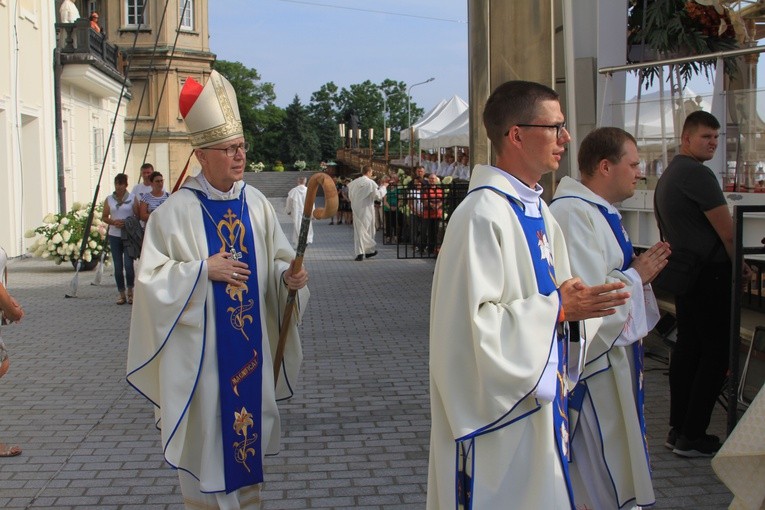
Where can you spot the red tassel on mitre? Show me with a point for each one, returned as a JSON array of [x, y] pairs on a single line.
[[189, 95]]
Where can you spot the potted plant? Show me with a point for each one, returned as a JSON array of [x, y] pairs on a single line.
[[59, 238], [677, 28], [257, 167]]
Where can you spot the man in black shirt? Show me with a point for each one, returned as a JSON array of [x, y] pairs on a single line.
[[693, 215]]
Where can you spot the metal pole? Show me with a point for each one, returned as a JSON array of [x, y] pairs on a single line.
[[409, 118], [57, 70], [683, 60], [735, 318]]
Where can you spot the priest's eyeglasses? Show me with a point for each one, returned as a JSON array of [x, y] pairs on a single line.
[[231, 150], [558, 128]]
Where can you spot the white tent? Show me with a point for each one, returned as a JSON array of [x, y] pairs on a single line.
[[651, 111], [456, 133], [424, 119], [436, 122]]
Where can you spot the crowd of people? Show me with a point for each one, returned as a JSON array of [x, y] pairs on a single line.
[[410, 208], [536, 361], [442, 165]]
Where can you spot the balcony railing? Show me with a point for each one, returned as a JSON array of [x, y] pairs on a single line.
[[78, 43]]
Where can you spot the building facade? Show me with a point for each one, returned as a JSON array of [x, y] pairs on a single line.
[[28, 184]]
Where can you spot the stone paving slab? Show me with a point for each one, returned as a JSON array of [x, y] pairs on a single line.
[[355, 435]]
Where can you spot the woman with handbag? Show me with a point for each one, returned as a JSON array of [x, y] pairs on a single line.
[[117, 208], [11, 311]]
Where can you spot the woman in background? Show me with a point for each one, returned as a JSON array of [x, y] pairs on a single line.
[[154, 198], [117, 208]]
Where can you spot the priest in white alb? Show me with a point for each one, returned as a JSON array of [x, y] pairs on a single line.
[[362, 192], [294, 207], [610, 465], [214, 276], [499, 343]]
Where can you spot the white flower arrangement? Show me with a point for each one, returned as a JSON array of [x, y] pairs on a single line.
[[257, 167], [60, 235], [299, 165]]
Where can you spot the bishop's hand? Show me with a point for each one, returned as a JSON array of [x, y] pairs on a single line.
[[221, 267]]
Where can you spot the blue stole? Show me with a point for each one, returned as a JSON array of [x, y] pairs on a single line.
[[544, 270], [637, 348], [239, 341]]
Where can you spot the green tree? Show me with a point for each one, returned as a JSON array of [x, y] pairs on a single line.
[[268, 138], [369, 102], [325, 116], [397, 111], [299, 139], [256, 106]]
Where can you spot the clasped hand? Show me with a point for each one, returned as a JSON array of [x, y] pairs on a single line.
[[582, 302], [650, 263]]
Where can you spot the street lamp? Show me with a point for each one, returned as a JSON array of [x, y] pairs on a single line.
[[409, 118]]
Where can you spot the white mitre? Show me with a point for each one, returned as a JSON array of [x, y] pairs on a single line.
[[211, 112]]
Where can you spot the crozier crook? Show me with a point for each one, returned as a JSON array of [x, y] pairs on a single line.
[[329, 210]]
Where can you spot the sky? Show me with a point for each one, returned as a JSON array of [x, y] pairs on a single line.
[[299, 45]]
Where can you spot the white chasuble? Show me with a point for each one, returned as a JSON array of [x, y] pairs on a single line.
[[610, 466], [172, 347], [491, 337]]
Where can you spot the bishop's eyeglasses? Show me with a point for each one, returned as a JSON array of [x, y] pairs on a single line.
[[231, 150]]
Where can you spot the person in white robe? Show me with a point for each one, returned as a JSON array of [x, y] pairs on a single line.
[[610, 465], [362, 192], [446, 167], [462, 169], [68, 12], [294, 208], [500, 295], [215, 273]]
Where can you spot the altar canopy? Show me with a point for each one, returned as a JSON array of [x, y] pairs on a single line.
[[437, 119], [454, 134]]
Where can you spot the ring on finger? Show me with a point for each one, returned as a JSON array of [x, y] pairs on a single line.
[[234, 275]]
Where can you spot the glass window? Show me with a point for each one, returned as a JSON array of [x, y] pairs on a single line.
[[186, 14], [134, 13]]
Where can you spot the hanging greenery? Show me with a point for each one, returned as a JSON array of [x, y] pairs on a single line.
[[678, 28]]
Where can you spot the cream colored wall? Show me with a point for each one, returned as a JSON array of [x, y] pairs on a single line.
[[82, 114], [27, 119]]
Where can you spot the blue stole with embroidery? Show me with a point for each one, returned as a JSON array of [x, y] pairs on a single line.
[[541, 256], [637, 348], [238, 340]]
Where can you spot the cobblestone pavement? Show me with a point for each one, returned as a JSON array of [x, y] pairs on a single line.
[[355, 435]]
